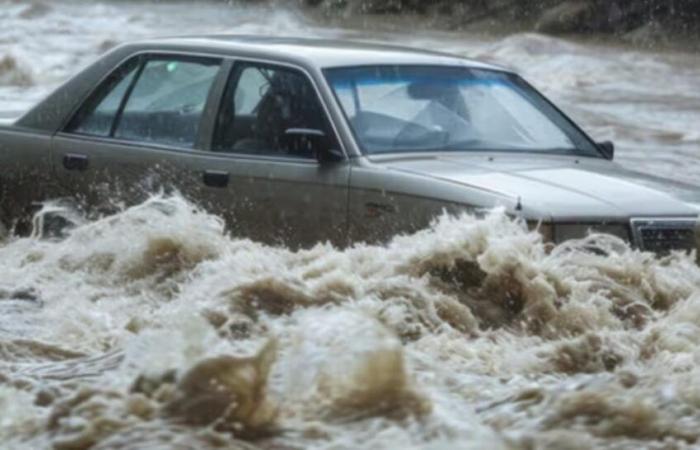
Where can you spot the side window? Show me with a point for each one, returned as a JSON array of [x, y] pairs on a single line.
[[158, 99], [260, 104], [96, 117], [167, 102]]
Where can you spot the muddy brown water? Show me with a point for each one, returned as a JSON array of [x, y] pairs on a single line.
[[154, 329]]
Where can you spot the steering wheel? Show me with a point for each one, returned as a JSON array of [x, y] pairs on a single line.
[[417, 135]]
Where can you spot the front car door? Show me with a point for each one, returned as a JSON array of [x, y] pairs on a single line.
[[272, 188], [132, 135]]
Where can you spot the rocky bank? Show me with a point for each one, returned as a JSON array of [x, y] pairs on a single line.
[[638, 22]]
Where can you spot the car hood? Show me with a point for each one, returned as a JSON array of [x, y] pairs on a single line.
[[561, 187]]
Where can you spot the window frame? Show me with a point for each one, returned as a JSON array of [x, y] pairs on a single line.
[[100, 92], [233, 71], [568, 120], [203, 146], [109, 82]]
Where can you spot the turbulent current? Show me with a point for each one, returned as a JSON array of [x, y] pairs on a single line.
[[155, 329]]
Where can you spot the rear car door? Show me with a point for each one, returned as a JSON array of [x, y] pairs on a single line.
[[270, 185], [132, 135]]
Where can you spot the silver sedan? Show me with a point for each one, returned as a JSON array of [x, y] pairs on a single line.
[[297, 141]]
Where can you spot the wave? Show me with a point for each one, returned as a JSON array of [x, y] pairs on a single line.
[[156, 319], [14, 73]]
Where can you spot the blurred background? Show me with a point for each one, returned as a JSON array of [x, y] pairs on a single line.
[[626, 70], [643, 22]]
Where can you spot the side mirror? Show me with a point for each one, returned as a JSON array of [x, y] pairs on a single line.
[[324, 151], [608, 149]]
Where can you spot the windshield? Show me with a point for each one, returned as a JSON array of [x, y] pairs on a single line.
[[443, 108]]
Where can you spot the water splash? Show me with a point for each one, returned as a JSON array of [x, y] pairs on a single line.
[[154, 318]]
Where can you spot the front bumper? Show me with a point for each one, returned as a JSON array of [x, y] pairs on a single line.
[[660, 235]]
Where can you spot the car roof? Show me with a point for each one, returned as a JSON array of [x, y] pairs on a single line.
[[316, 52], [310, 54]]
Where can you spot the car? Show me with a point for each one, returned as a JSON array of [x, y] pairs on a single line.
[[299, 141]]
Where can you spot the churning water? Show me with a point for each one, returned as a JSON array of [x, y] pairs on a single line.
[[154, 329]]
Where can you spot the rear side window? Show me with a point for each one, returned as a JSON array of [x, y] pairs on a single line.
[[167, 102], [159, 101]]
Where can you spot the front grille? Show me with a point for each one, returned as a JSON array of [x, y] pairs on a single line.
[[663, 235]]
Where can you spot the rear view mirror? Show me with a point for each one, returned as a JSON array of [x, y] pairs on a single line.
[[608, 149], [438, 89], [305, 132], [428, 90], [324, 151]]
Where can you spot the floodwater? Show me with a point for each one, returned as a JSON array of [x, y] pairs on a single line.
[[154, 329]]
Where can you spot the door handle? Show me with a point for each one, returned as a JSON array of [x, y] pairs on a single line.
[[74, 161], [215, 178]]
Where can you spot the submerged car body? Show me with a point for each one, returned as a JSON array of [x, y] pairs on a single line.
[[297, 141]]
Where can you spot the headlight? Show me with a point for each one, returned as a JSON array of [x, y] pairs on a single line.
[[567, 231]]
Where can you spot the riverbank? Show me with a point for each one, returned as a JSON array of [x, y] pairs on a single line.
[[589, 20]]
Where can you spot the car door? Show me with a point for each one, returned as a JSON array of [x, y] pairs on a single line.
[[132, 135], [25, 178], [268, 184]]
